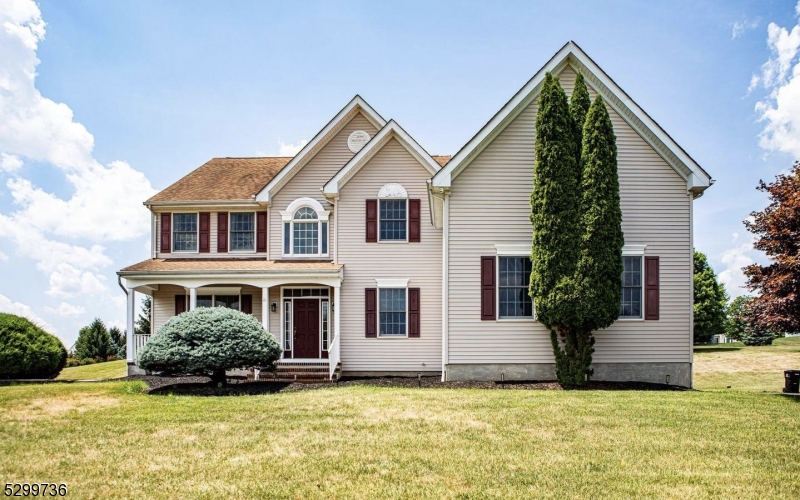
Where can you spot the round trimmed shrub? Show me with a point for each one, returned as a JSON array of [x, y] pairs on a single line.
[[209, 341], [27, 351]]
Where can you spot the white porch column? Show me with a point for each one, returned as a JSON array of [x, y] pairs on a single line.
[[192, 298], [131, 314], [265, 308], [337, 312]]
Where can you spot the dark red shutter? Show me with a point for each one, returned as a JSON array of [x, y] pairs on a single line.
[[371, 311], [205, 232], [488, 288], [222, 232], [261, 232], [413, 312], [166, 232], [413, 221], [651, 286], [372, 221], [247, 304], [180, 304]]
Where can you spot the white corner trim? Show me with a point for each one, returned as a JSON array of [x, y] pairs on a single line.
[[389, 131], [218, 290], [633, 249], [317, 142], [517, 249], [393, 190], [391, 282], [288, 214]]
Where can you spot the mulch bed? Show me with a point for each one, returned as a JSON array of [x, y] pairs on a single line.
[[200, 386]]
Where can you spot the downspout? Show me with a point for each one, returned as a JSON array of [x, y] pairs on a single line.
[[445, 284], [119, 282]]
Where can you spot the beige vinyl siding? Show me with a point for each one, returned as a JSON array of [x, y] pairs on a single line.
[[490, 203], [212, 237], [420, 263], [164, 302], [308, 181]]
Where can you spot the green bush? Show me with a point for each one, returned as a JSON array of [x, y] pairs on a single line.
[[72, 362], [209, 341], [27, 351]]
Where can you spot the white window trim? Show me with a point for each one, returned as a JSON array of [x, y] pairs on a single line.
[[255, 231], [197, 232], [287, 216], [510, 319], [637, 251], [282, 301], [389, 283], [392, 192], [513, 249], [380, 240]]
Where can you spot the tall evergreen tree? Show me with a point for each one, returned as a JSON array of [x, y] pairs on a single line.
[[94, 341], [143, 322], [710, 300], [579, 103], [599, 271], [737, 317], [555, 215], [118, 341]]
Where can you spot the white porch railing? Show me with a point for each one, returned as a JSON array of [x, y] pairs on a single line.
[[139, 341], [333, 355]]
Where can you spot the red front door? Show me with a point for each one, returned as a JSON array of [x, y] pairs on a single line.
[[306, 328]]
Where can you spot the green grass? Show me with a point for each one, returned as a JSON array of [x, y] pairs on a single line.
[[110, 369], [745, 368], [107, 440]]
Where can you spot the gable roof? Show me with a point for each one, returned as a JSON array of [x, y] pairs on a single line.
[[342, 118], [222, 179], [697, 179], [390, 131]]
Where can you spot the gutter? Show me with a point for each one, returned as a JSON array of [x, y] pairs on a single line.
[[244, 203]]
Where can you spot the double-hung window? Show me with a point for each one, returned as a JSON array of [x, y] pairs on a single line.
[[631, 303], [184, 232], [392, 312], [242, 231], [514, 277], [393, 220], [229, 301]]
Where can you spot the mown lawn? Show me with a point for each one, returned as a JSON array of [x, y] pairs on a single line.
[[110, 369], [745, 368], [108, 440]]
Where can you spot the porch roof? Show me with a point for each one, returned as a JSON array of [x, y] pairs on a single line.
[[217, 266]]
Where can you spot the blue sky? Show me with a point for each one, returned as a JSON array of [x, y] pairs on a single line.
[[157, 88]]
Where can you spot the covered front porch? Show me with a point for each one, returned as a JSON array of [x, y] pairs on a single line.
[[297, 302]]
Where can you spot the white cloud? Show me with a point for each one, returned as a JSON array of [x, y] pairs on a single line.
[[20, 309], [291, 149], [9, 163], [3, 257], [780, 76], [740, 27], [735, 258], [66, 310], [105, 204]]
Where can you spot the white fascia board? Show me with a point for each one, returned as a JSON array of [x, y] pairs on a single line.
[[316, 143], [391, 130], [529, 91]]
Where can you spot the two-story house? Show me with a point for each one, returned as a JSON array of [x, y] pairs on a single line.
[[365, 253]]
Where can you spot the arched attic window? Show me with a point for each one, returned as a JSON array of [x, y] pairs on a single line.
[[305, 229], [393, 213]]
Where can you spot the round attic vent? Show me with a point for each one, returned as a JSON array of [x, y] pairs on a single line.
[[357, 139]]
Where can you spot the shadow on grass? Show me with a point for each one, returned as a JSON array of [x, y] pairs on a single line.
[[716, 349], [207, 389]]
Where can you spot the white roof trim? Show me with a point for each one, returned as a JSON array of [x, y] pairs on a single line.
[[697, 179], [318, 142], [389, 131]]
